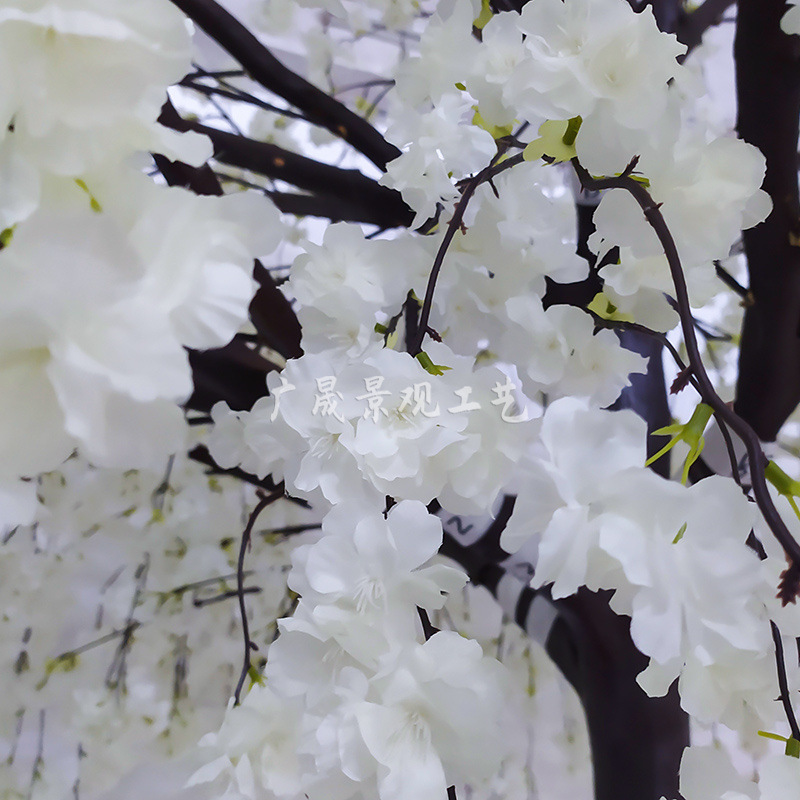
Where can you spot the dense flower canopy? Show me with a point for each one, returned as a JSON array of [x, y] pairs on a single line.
[[437, 378]]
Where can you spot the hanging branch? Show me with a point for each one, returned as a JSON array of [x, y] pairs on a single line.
[[755, 454], [263, 502], [259, 63]]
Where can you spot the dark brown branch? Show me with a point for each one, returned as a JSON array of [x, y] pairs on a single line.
[[755, 454], [305, 173], [732, 283], [783, 683], [340, 209], [200, 180], [661, 338], [265, 69], [427, 628]]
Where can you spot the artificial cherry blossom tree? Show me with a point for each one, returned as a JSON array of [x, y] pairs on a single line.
[[300, 358]]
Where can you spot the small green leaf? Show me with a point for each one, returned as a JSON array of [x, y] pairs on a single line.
[[691, 433], [6, 236], [497, 131], [679, 534], [486, 14], [793, 747], [571, 133], [787, 487], [429, 366], [66, 662], [604, 308], [776, 736], [556, 140], [255, 676]]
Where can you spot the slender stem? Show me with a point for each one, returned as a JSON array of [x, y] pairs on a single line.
[[470, 185], [202, 602], [755, 453], [732, 283], [600, 322], [263, 502], [783, 683], [241, 97]]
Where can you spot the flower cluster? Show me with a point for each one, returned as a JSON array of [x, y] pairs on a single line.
[[105, 278], [424, 351], [336, 446], [352, 699]]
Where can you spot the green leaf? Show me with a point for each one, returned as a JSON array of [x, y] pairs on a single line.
[[486, 14], [496, 131], [691, 433], [679, 534], [556, 140], [787, 487], [776, 736], [429, 366], [604, 308], [255, 676]]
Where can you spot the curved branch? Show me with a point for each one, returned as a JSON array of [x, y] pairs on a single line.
[[486, 174], [263, 501], [755, 454]]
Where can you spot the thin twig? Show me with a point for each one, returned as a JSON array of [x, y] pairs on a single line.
[[783, 683], [38, 761], [263, 502], [241, 97], [470, 185], [115, 677], [732, 283], [601, 322], [202, 602]]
